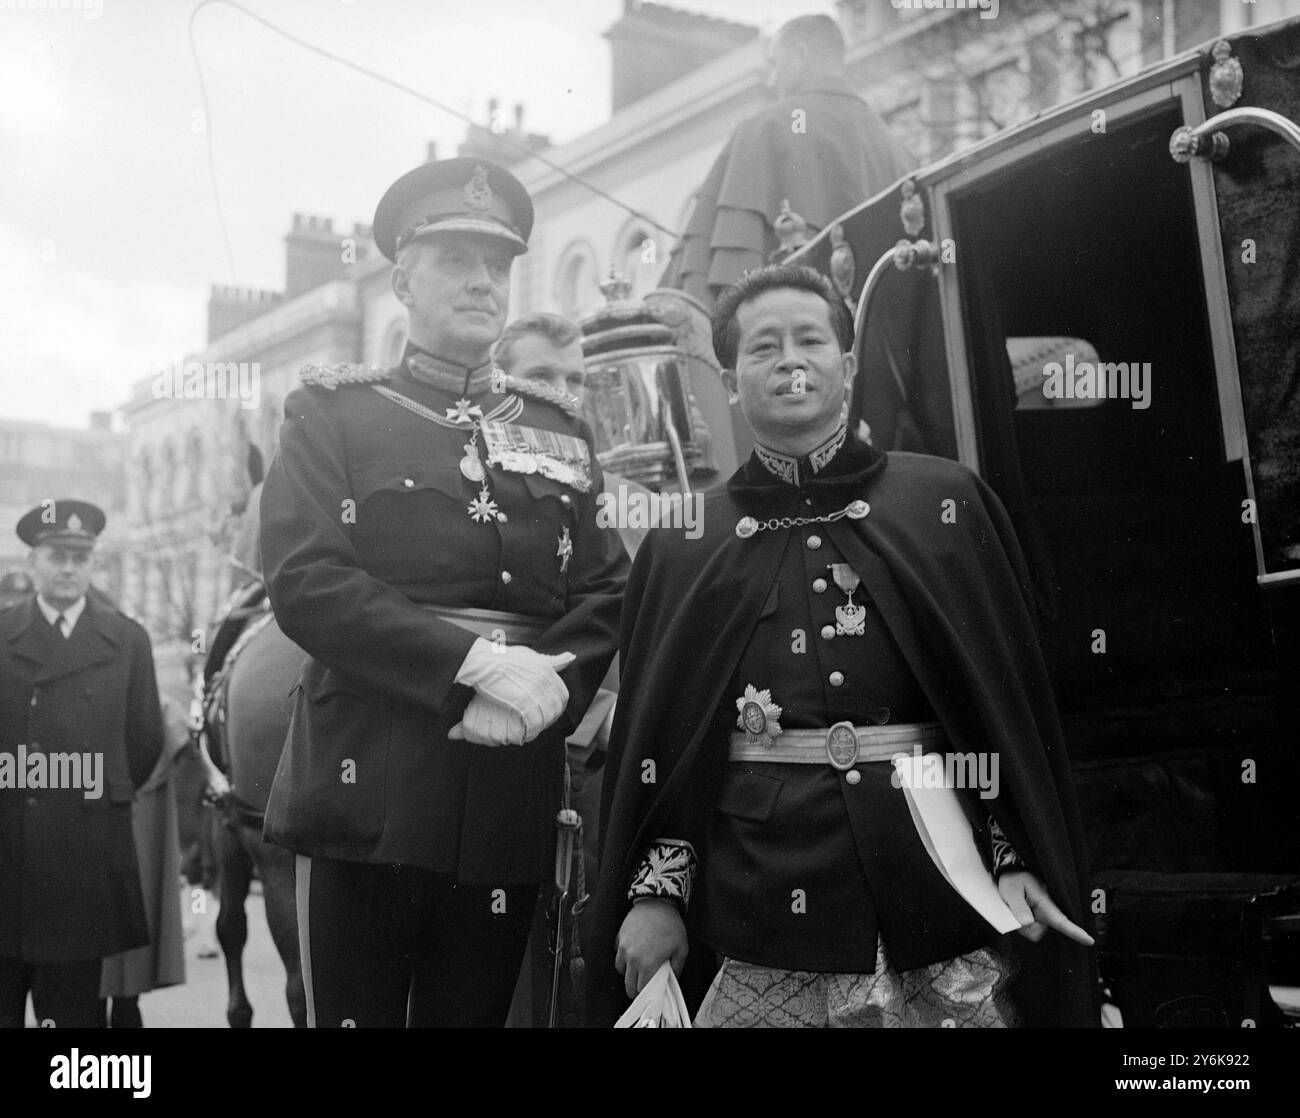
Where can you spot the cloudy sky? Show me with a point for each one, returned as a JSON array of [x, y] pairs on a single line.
[[108, 229]]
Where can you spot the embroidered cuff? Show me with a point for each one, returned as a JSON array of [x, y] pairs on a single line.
[[1005, 857], [667, 871]]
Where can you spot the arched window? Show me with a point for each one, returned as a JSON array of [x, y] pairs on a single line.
[[166, 478], [577, 281], [144, 473], [193, 466]]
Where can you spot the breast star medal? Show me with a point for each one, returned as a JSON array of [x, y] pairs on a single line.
[[850, 619], [759, 717], [483, 510], [565, 551]]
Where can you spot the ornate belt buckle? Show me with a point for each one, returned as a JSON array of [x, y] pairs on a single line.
[[842, 745]]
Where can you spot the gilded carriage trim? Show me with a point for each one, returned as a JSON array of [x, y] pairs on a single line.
[[1226, 76]]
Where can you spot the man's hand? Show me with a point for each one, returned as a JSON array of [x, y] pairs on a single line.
[[1027, 898], [652, 933], [487, 723], [519, 679]]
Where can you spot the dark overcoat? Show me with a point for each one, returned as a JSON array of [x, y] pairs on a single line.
[[69, 879], [953, 590]]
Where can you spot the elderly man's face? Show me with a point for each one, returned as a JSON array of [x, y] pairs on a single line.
[[791, 375], [61, 572], [457, 289], [535, 357]]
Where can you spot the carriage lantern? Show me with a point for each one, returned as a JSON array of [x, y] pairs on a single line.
[[647, 361]]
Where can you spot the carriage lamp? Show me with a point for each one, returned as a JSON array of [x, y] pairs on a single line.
[[640, 356]]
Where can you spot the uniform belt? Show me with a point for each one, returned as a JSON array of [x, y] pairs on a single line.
[[842, 745], [515, 628]]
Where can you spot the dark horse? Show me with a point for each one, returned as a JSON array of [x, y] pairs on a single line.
[[250, 671]]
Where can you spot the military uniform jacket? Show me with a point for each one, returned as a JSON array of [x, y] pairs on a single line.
[[954, 596], [69, 880], [366, 517]]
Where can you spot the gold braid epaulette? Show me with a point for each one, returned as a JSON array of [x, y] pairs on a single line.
[[331, 377], [571, 405]]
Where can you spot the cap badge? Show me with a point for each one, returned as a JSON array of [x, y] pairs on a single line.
[[74, 523], [759, 716], [478, 194]]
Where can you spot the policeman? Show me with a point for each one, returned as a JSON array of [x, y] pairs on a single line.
[[429, 538], [80, 731]]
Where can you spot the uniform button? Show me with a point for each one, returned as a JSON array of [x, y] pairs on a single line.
[[34, 694], [506, 576], [808, 501], [819, 586], [501, 518], [31, 801], [565, 499], [828, 632], [814, 542], [408, 482], [852, 776], [837, 679]]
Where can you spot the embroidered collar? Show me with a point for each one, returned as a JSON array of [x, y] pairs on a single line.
[[790, 469], [428, 368], [846, 477]]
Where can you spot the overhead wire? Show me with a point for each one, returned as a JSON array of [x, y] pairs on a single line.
[[384, 79]]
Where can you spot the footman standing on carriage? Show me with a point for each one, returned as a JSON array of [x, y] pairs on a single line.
[[80, 731], [829, 618], [429, 538]]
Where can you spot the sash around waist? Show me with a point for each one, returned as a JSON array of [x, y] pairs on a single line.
[[809, 747], [515, 628]]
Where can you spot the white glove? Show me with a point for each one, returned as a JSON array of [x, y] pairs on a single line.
[[519, 679], [487, 723]]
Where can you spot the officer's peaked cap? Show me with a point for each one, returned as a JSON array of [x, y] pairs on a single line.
[[464, 195], [66, 522]]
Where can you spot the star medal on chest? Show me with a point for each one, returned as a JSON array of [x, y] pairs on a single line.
[[565, 550], [759, 716], [482, 509], [850, 619]]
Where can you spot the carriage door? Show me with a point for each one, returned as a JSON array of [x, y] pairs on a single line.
[[1092, 321]]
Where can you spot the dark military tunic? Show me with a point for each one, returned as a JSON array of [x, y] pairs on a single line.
[[69, 880], [367, 518]]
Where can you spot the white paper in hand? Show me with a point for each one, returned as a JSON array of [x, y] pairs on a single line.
[[948, 839], [659, 1005]]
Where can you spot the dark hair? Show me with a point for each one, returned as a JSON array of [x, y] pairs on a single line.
[[819, 33], [726, 334], [559, 331]]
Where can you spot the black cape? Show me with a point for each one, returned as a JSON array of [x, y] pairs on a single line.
[[956, 598]]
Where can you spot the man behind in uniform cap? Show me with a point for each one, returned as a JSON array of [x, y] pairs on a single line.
[[80, 731], [429, 537]]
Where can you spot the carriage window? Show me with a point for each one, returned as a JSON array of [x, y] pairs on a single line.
[[1097, 413]]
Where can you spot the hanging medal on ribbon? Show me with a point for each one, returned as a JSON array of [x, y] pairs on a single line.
[[851, 618], [472, 465]]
